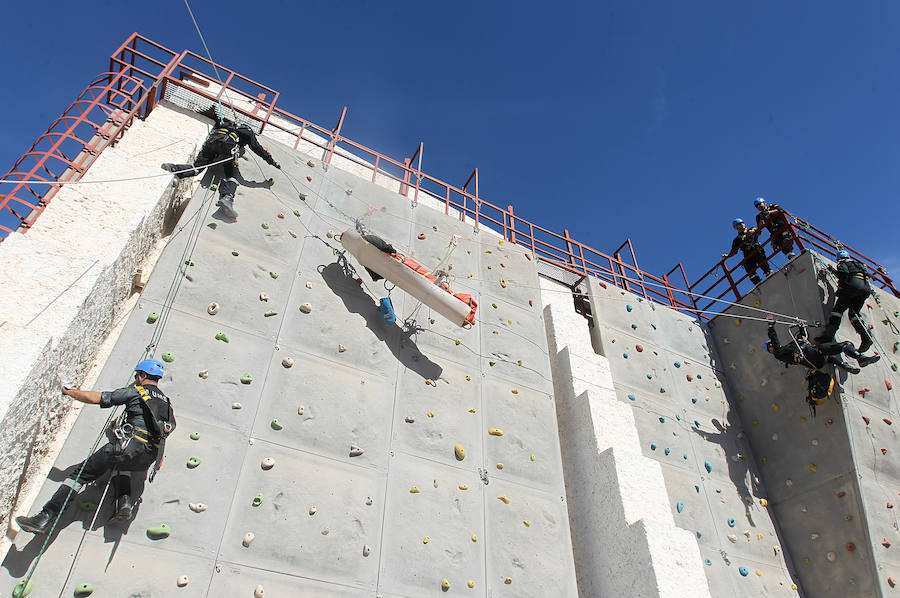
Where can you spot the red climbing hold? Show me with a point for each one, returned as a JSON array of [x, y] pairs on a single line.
[[850, 546], [602, 284], [885, 543], [309, 178], [502, 265], [829, 421], [862, 391], [890, 505], [531, 303], [639, 348], [281, 215], [866, 419], [612, 340], [421, 236], [884, 451], [891, 582], [841, 494], [887, 384], [689, 377], [871, 326], [887, 421]]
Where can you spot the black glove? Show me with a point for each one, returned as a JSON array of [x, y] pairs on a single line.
[[276, 165]]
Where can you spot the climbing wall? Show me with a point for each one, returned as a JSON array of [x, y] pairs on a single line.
[[321, 451], [832, 479], [662, 366]]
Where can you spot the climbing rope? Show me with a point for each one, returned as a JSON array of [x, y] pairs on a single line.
[[134, 178]]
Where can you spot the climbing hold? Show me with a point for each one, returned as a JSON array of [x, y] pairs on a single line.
[[502, 283], [281, 215], [341, 348], [22, 589], [248, 539], [152, 317], [265, 225], [197, 507], [292, 233], [634, 326], [246, 379], [885, 543], [445, 584], [203, 374], [257, 500], [355, 451], [697, 423], [775, 407], [508, 580], [273, 274], [193, 462], [460, 452], [684, 456], [236, 406], [733, 538], [515, 391], [763, 502], [628, 308], [421, 236], [526, 523], [414, 490], [263, 296], [499, 465], [471, 583], [195, 435], [831, 556], [504, 499], [865, 419], [639, 348], [267, 463], [891, 582], [158, 532], [708, 466], [221, 336], [212, 309], [680, 507], [168, 357], [235, 252], [652, 446], [662, 390], [662, 420], [850, 546], [410, 420], [474, 538], [429, 414], [744, 571], [458, 342], [495, 432], [731, 522], [306, 307], [213, 225], [887, 384], [182, 581], [689, 377], [668, 450], [625, 355], [366, 550], [86, 505], [694, 400], [463, 487], [886, 420], [492, 363], [288, 362], [276, 425], [631, 397], [737, 321], [426, 540]]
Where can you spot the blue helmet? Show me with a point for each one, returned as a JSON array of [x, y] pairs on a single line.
[[843, 254], [758, 201], [768, 346], [151, 367], [737, 221]]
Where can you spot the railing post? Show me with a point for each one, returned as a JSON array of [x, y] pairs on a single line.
[[404, 186], [569, 255], [512, 225], [335, 133]]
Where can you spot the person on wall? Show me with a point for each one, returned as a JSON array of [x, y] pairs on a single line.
[[852, 292], [774, 219], [227, 139], [747, 240], [139, 443]]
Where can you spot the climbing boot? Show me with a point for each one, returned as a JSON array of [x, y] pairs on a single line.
[[124, 506], [791, 255], [865, 343], [37, 524], [227, 205], [848, 368], [865, 360]]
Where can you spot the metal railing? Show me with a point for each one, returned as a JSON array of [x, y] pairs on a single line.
[[143, 72]]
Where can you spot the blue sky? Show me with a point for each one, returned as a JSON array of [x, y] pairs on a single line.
[[658, 121]]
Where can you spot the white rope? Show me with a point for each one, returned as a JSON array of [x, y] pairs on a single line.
[[137, 178]]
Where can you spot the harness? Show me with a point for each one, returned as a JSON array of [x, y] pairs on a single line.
[[231, 133], [749, 244]]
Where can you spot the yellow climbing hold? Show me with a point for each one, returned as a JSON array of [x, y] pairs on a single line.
[[755, 422], [759, 536], [494, 305], [737, 321], [474, 538], [527, 523], [763, 503], [458, 342], [757, 303], [426, 540], [495, 432], [470, 275], [515, 391], [430, 414], [532, 458], [429, 382], [758, 572], [813, 467], [499, 465], [504, 499], [414, 490], [848, 518], [802, 420], [752, 350], [503, 283], [472, 410], [468, 378], [793, 586], [494, 332], [445, 585], [492, 363], [519, 362], [508, 580], [463, 487], [765, 460], [775, 407], [470, 583], [460, 452]]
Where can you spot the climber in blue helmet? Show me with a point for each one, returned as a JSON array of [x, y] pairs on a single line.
[[852, 291], [139, 439], [747, 240], [774, 219]]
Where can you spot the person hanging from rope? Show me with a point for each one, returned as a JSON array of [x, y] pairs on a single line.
[[814, 357], [139, 444], [773, 218], [852, 292], [747, 240], [228, 138]]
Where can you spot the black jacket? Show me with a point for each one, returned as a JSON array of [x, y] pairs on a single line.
[[805, 354], [853, 277], [242, 135]]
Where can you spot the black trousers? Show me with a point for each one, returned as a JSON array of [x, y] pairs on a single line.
[[784, 243], [214, 150], [855, 303], [137, 456], [755, 260]]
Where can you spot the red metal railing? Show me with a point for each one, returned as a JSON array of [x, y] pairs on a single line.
[[142, 72]]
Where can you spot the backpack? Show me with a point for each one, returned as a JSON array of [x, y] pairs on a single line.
[[820, 386]]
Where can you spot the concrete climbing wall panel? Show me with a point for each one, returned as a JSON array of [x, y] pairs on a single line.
[[294, 362], [662, 366]]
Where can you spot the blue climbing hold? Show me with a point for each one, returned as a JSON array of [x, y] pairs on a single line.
[[631, 397], [684, 456], [653, 446], [708, 563], [699, 535], [731, 522], [708, 466], [625, 355], [668, 450], [628, 307], [680, 507], [678, 416], [634, 326], [662, 390], [697, 488], [744, 571], [697, 423], [649, 376], [387, 310], [653, 326], [699, 377], [678, 364], [693, 399], [662, 420], [718, 491], [640, 299]]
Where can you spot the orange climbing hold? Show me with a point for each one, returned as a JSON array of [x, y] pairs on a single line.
[[885, 543], [862, 391], [866, 419], [887, 384], [639, 348], [421, 236], [887, 421], [309, 178], [884, 451], [689, 377], [890, 505]]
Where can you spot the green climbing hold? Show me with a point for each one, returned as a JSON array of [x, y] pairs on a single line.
[[894, 366], [213, 187], [235, 253], [265, 225], [84, 589], [188, 262], [222, 337], [168, 357], [273, 274], [270, 313], [193, 462], [257, 500], [213, 225], [297, 213], [158, 532], [270, 182], [276, 425], [246, 379], [152, 317], [23, 589], [195, 435], [86, 505]]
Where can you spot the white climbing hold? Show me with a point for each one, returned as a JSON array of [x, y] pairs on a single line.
[[300, 410], [292, 233], [263, 296], [306, 307], [267, 463], [312, 511], [355, 451], [325, 531], [788, 483], [832, 557], [182, 581], [197, 507], [814, 442], [203, 374], [732, 537], [237, 406], [308, 285], [775, 436], [259, 592], [368, 501], [310, 163], [341, 348], [330, 234], [212, 309], [366, 551], [248, 539], [288, 362]]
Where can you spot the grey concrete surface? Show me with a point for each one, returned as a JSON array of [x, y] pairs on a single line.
[[354, 380]]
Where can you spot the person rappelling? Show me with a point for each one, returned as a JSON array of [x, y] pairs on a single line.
[[747, 240], [852, 292], [802, 352], [227, 139], [138, 445]]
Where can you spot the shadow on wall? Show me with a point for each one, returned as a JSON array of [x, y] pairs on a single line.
[[394, 338]]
